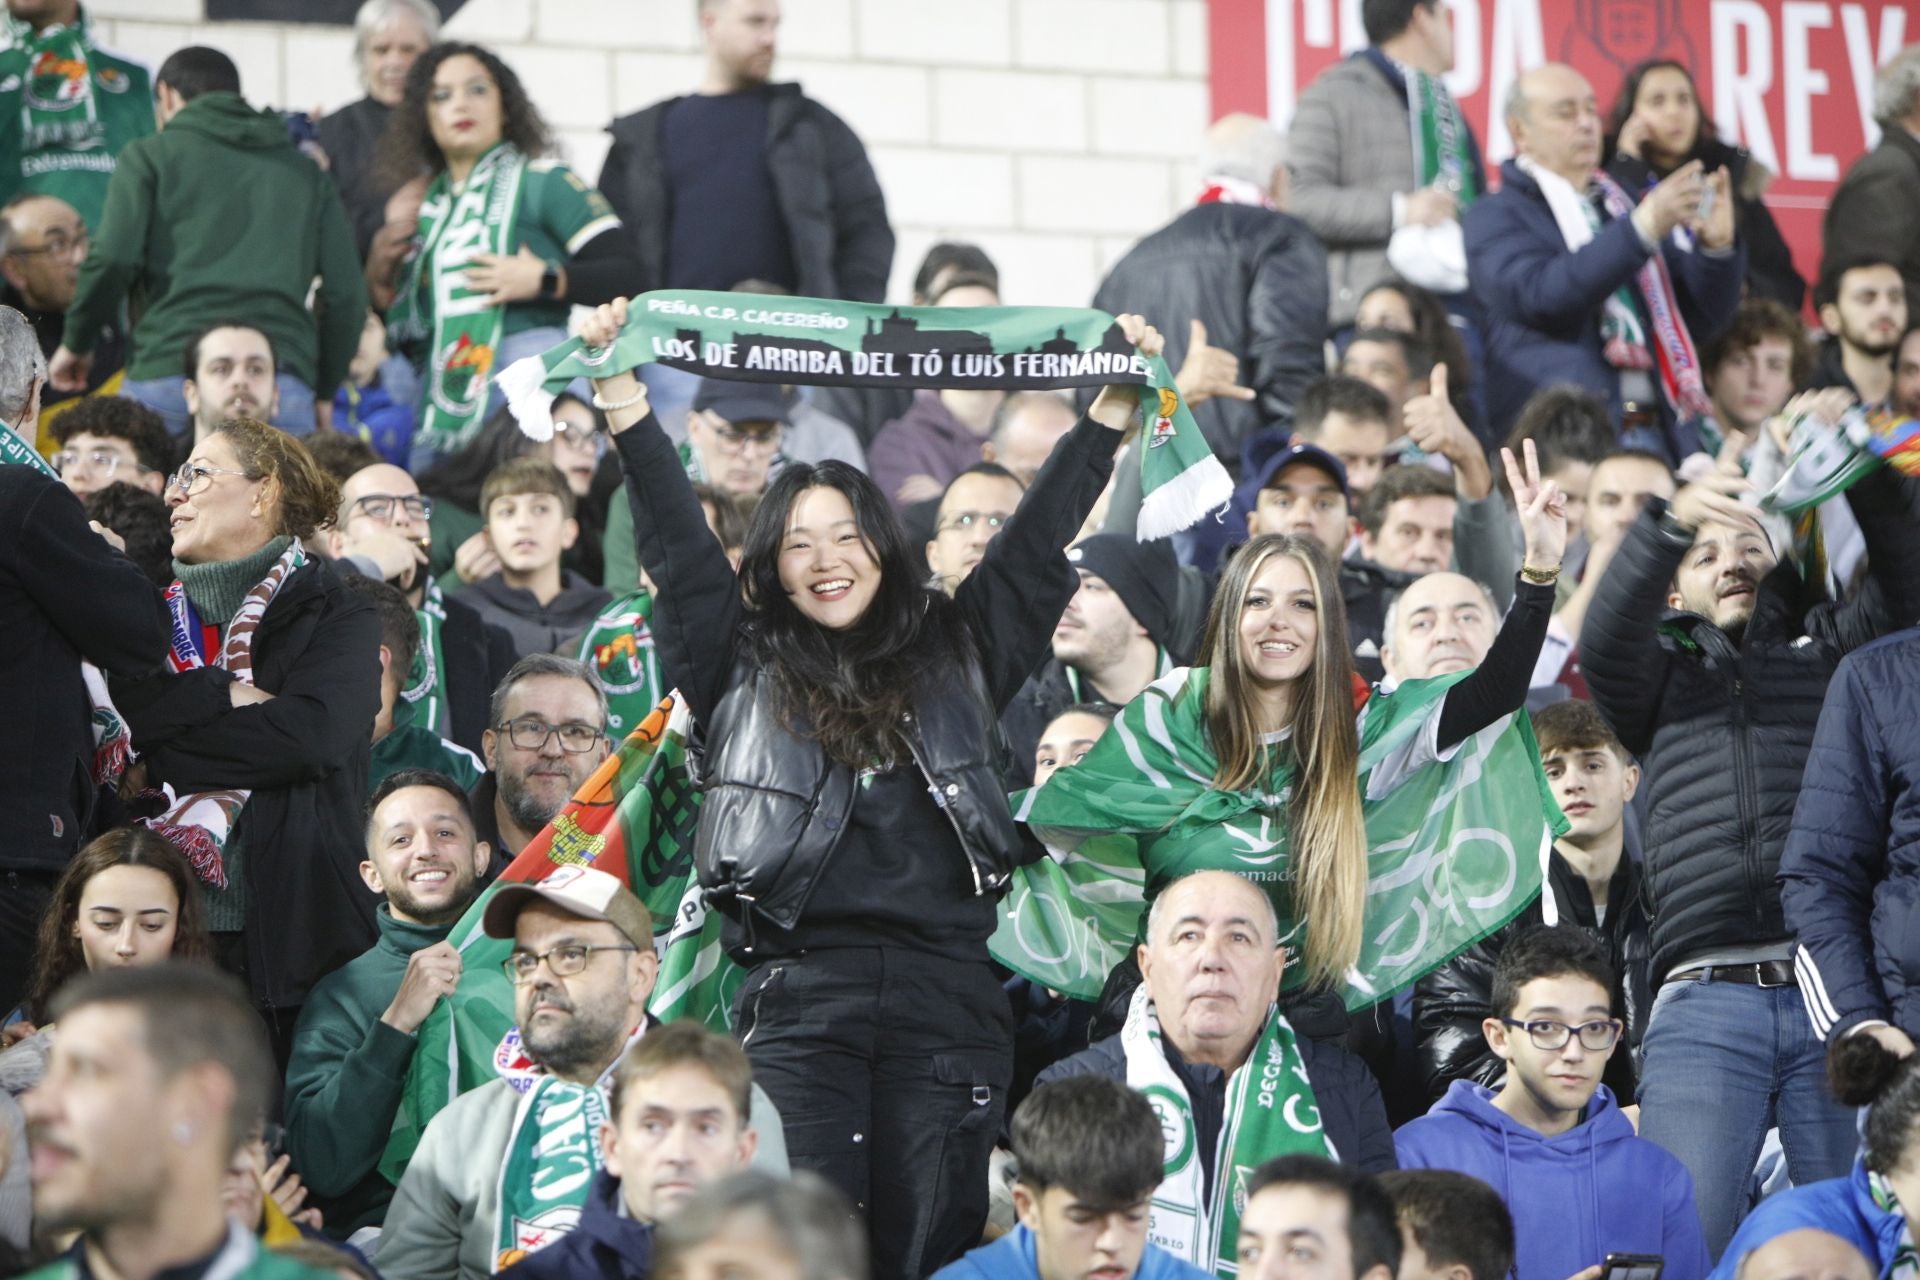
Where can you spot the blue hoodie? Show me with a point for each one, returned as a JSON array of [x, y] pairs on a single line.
[[1840, 1206], [1596, 1189], [1011, 1257]]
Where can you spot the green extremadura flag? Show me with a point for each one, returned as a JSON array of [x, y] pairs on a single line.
[[819, 342]]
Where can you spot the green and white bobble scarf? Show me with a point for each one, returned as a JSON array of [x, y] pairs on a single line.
[[463, 329], [1440, 152], [57, 110], [423, 692], [1270, 1112]]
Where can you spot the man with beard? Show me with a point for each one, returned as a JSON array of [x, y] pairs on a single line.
[[505, 1170], [229, 373], [546, 734], [1863, 304], [1709, 654], [355, 1037]]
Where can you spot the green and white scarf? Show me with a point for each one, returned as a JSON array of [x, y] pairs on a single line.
[[1904, 1264], [552, 1155], [1441, 152], [821, 342], [57, 110], [462, 329], [1270, 1112], [1457, 842], [423, 692]]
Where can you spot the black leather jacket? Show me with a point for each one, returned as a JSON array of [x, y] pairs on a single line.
[[774, 805]]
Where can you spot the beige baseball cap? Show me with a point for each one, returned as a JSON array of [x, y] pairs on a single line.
[[580, 891]]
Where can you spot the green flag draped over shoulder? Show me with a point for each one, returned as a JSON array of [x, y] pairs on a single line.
[[820, 342], [1457, 842], [634, 819]]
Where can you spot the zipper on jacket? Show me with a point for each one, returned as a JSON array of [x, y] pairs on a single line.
[[753, 1021], [1744, 800], [941, 798]]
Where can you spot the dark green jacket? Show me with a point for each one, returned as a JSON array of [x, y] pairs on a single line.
[[345, 1077], [219, 217], [414, 746]]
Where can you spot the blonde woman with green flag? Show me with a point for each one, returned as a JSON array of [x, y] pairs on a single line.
[[506, 238], [1390, 828]]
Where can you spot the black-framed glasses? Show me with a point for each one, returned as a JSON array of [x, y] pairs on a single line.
[[192, 477], [530, 734], [731, 437], [967, 521], [104, 461], [565, 960], [382, 506], [1595, 1037]]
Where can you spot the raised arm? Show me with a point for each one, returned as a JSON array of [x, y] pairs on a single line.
[[699, 611]]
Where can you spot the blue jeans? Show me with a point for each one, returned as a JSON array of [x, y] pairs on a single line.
[[1723, 1063], [167, 397]]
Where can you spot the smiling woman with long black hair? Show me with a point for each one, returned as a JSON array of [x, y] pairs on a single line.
[[854, 827]]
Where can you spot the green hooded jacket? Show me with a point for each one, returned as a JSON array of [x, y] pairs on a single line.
[[219, 217]]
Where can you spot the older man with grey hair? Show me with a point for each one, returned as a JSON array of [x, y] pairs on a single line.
[[1237, 277], [1870, 217], [66, 597], [387, 36]]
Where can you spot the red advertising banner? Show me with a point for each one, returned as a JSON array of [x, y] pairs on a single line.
[[1790, 80]]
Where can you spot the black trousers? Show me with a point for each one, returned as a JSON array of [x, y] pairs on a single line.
[[24, 898], [890, 1069]]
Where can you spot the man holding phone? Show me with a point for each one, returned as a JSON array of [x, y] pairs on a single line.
[[1583, 1188]]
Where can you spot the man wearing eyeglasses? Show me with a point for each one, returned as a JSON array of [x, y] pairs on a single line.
[[504, 1170], [110, 440], [383, 532], [547, 735], [1579, 1182], [42, 244]]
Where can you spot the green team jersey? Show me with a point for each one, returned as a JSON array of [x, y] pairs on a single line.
[[67, 109]]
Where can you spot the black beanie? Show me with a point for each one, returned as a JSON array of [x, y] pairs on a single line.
[[1144, 575]]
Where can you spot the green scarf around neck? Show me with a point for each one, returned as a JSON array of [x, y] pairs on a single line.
[[218, 588], [57, 110]]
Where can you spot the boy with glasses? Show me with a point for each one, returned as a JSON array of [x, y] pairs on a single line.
[[1579, 1182], [111, 439]]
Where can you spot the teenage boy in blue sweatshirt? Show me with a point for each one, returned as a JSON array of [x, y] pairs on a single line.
[[1579, 1182], [1089, 1152]]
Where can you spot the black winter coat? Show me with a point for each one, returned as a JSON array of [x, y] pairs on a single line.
[[304, 757], [1870, 215], [1258, 280], [1850, 876], [1723, 725], [66, 597], [478, 656], [774, 806], [835, 214], [1450, 1003], [1351, 1113]]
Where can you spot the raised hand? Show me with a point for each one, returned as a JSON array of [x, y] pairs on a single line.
[[1208, 371], [1115, 404], [600, 329], [1433, 424], [1715, 496], [1674, 201], [1542, 509], [1715, 231]]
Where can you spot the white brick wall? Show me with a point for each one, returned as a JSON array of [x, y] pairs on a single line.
[[1051, 132]]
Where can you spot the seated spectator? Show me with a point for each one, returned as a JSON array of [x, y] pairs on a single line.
[[1578, 1181], [385, 530], [1026, 426], [266, 1197], [811, 433], [1594, 885], [1442, 623], [484, 290], [1308, 1215], [1415, 521], [355, 1039], [104, 439], [231, 371], [156, 1079], [915, 456], [1862, 304], [1869, 1209], [546, 734], [1797, 1255], [1657, 124], [787, 1229], [219, 217], [1115, 638], [270, 686], [1211, 966], [970, 514], [1069, 736], [340, 455], [529, 509], [43, 241], [140, 520], [676, 1121], [1088, 1153], [1406, 308], [376, 399], [1452, 1227], [1610, 300], [388, 35], [476, 1197], [399, 742], [1392, 362], [1756, 365], [1351, 420]]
